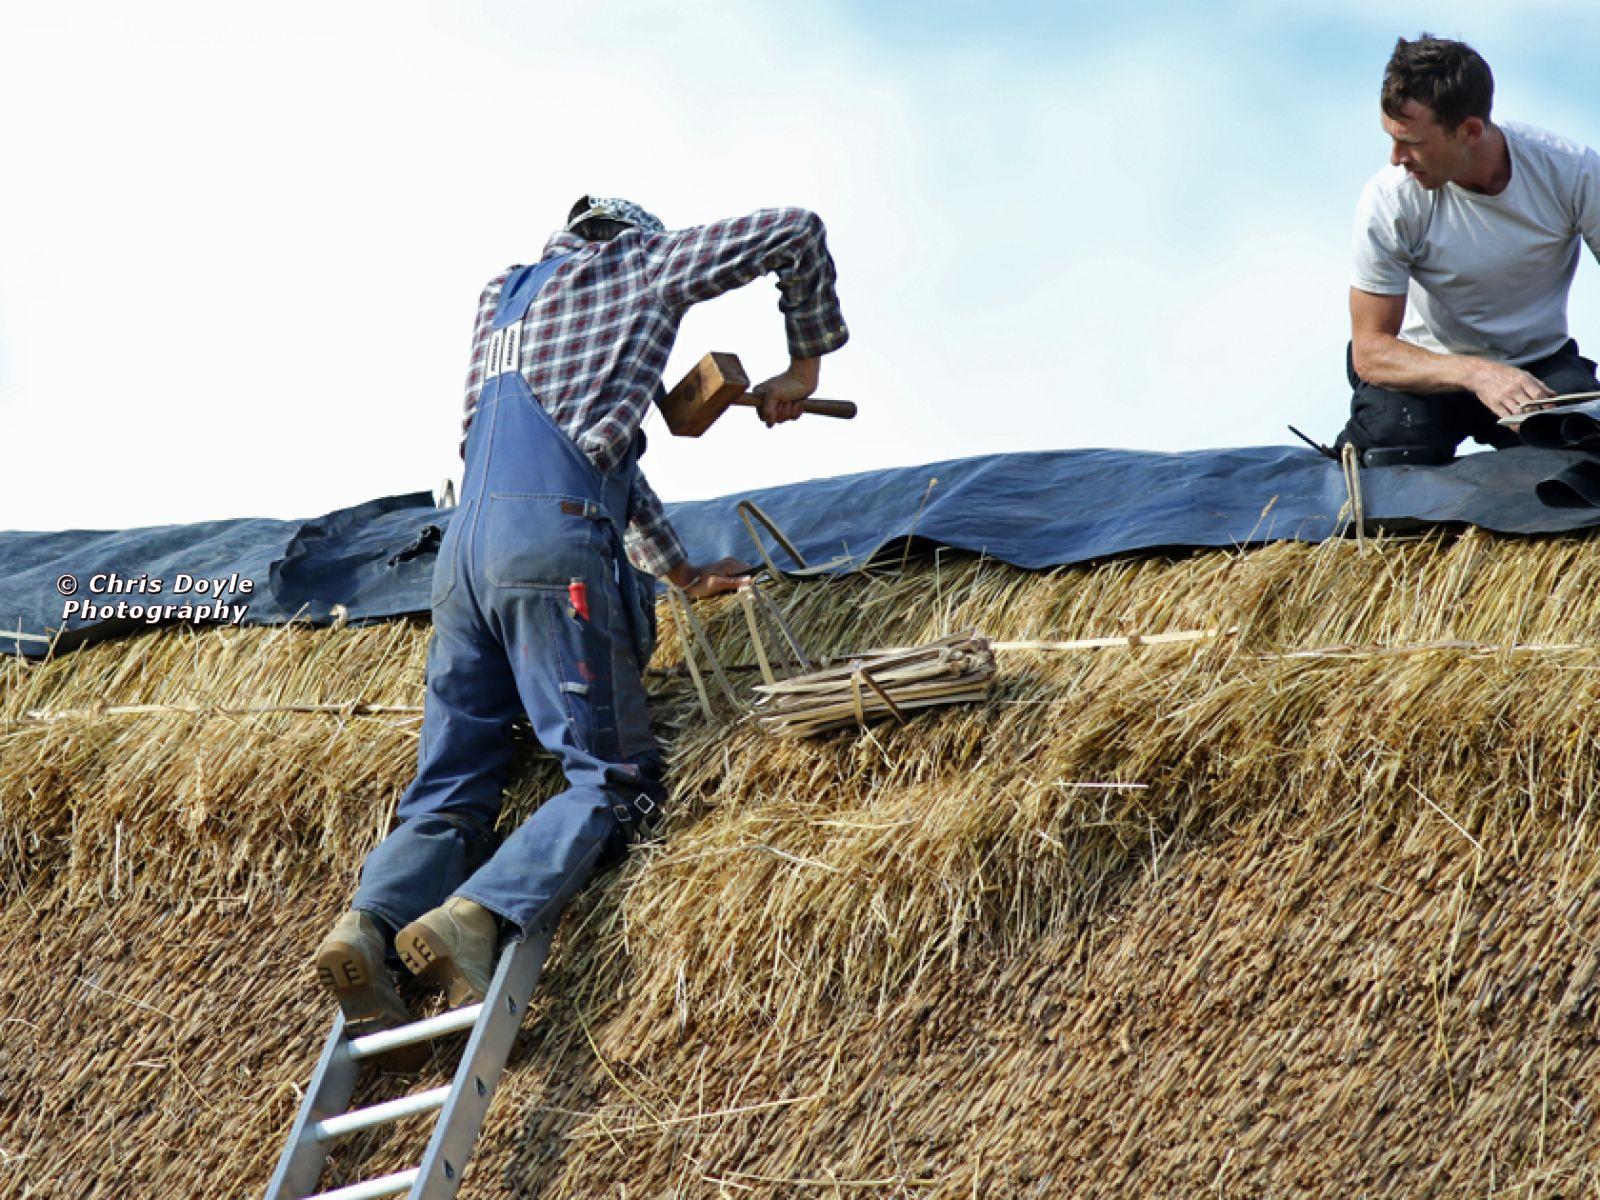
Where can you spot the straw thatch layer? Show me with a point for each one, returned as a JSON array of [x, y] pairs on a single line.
[[1306, 907]]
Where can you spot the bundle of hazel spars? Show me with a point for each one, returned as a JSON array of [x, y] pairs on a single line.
[[876, 684]]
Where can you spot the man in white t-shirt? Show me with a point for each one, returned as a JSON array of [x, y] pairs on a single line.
[[1465, 248]]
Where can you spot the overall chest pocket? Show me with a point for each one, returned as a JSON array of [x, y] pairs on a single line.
[[535, 540]]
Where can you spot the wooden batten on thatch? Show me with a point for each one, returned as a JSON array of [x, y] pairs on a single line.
[[1306, 909]]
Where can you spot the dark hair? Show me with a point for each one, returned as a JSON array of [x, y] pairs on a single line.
[[595, 229], [1449, 77]]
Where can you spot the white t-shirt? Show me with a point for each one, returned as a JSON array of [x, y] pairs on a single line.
[[1484, 275]]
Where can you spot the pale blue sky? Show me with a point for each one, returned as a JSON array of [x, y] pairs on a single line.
[[239, 248]]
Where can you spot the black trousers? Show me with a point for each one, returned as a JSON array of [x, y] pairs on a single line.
[[1443, 420]]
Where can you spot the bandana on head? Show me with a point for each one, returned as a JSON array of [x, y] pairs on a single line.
[[614, 208]]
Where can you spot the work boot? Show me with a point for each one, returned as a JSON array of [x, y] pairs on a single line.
[[350, 965], [452, 946]]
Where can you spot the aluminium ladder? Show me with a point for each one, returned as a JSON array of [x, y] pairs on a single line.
[[463, 1104]]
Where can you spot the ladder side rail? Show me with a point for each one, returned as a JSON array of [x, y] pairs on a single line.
[[332, 1085], [483, 1059]]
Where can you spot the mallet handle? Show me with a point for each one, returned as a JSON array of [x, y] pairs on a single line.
[[843, 409]]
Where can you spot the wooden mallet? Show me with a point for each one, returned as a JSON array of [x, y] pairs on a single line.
[[717, 381]]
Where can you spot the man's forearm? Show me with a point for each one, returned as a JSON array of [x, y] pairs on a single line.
[[806, 370], [1390, 363]]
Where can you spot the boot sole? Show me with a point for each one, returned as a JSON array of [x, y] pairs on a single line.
[[428, 956], [370, 1005]]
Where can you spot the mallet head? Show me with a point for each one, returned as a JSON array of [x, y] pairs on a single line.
[[704, 394]]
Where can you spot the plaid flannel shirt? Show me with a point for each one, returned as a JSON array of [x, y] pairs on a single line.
[[597, 337]]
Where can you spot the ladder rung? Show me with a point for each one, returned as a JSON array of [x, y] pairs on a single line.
[[417, 1031], [381, 1114], [386, 1185]]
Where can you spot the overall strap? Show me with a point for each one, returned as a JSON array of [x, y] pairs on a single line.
[[520, 288], [516, 295]]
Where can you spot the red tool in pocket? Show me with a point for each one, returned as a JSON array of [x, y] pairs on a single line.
[[578, 594]]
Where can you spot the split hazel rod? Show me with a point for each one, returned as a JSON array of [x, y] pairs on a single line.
[[1130, 640], [748, 603]]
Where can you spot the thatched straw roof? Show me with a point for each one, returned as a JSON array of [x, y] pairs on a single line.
[[1339, 940]]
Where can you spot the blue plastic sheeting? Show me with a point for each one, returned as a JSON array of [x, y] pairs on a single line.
[[1034, 510]]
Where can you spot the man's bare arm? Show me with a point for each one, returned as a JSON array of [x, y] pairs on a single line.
[[1382, 358]]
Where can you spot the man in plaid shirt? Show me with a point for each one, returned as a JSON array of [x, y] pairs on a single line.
[[534, 609], [612, 326]]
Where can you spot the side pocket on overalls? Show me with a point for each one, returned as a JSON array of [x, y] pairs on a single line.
[[639, 592], [444, 565], [637, 595]]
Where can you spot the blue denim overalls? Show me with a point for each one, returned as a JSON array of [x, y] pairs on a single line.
[[536, 520]]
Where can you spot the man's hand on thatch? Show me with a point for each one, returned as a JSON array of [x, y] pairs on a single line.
[[711, 579]]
